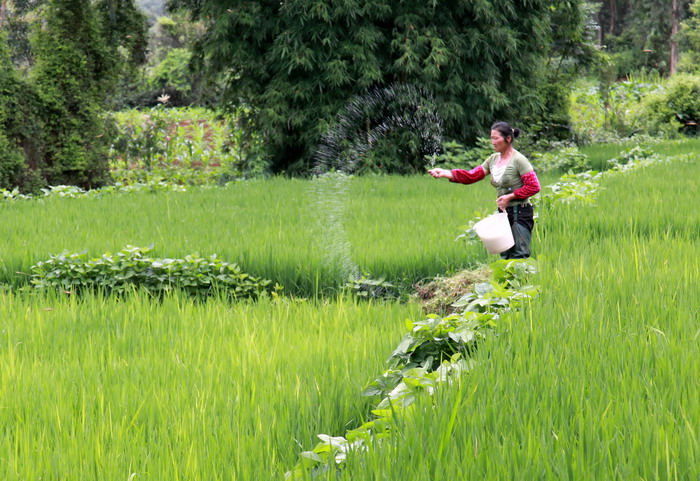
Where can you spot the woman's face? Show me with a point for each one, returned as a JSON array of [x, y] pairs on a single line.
[[499, 143]]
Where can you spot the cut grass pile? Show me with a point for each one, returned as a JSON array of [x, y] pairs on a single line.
[[437, 295]]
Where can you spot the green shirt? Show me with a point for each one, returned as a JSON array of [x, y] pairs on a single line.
[[518, 165]]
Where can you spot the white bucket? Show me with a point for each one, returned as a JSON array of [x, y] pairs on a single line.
[[494, 231]]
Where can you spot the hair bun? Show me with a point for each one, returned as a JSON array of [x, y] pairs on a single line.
[[516, 132]]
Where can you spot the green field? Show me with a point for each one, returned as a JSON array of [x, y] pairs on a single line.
[[399, 228], [596, 379]]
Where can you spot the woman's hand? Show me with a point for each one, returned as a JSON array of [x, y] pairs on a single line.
[[437, 173], [503, 201]]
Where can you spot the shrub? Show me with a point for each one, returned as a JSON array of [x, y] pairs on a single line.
[[568, 159], [608, 111], [675, 109], [130, 268]]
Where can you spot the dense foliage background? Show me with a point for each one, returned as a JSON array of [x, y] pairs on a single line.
[[281, 74], [297, 64]]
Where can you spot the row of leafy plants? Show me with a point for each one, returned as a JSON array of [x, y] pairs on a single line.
[[73, 191], [132, 269], [435, 352]]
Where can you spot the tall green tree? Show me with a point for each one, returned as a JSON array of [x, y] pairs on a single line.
[[642, 34], [72, 73], [55, 91], [12, 166], [572, 52], [124, 29], [296, 63], [16, 19]]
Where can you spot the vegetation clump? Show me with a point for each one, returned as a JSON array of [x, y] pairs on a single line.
[[674, 110], [131, 269], [435, 352]]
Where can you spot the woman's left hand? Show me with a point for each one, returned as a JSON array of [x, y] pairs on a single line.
[[503, 201]]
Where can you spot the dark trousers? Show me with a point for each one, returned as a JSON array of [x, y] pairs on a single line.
[[521, 223]]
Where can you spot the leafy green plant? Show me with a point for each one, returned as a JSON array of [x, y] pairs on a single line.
[[365, 286], [572, 187], [631, 156], [129, 268], [505, 292], [13, 194], [435, 351], [673, 110], [434, 340], [568, 159]]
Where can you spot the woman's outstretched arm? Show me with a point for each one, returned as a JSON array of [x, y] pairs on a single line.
[[460, 175]]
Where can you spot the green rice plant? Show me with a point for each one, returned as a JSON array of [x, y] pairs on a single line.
[[400, 229], [597, 379], [103, 388]]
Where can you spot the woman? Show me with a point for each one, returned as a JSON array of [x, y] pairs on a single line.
[[515, 181]]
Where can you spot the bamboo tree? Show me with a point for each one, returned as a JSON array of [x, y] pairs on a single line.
[[675, 15], [297, 64]]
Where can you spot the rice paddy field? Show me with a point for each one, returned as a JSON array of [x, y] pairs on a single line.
[[596, 379], [403, 229]]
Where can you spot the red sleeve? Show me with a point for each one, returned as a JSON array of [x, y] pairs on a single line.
[[530, 187], [462, 176]]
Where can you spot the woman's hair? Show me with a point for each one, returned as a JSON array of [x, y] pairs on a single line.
[[506, 130]]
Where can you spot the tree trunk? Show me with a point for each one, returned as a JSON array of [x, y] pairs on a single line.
[[675, 13], [3, 10], [612, 5]]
